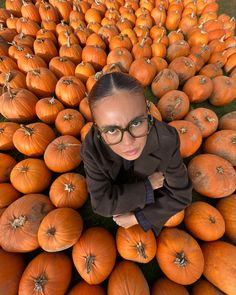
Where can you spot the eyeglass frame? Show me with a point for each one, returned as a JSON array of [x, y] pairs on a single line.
[[150, 121]]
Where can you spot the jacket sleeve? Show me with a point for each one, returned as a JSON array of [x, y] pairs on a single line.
[[174, 196], [108, 198]]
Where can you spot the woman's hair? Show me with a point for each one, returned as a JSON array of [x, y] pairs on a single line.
[[109, 83]]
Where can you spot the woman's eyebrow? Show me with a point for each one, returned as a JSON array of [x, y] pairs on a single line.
[[117, 126]]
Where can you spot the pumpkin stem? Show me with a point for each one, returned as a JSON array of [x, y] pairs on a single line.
[[181, 259], [11, 94], [1, 130], [209, 119], [89, 260], [62, 146], [141, 250], [67, 81], [51, 231], [182, 130], [212, 219], [68, 41], [18, 222], [8, 77], [67, 117], [28, 131], [220, 170], [52, 100], [69, 187], [39, 282], [234, 141]]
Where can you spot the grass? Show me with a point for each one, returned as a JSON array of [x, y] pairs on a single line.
[[150, 270]]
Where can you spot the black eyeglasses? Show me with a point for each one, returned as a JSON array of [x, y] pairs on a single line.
[[138, 127]]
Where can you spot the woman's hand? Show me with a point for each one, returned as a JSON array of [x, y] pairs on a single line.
[[125, 220], [156, 180]]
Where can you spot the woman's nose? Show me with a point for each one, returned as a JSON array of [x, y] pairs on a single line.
[[127, 138]]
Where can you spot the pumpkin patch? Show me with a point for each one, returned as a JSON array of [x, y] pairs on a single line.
[[51, 55]]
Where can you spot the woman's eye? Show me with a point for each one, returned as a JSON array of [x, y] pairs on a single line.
[[111, 131], [136, 123]]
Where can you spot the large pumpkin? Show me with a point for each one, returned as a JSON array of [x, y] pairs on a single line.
[[94, 255], [219, 268], [30, 176], [204, 221], [69, 190], [212, 176], [19, 223], [47, 273], [135, 244], [127, 278], [60, 229], [227, 207], [204, 287], [179, 256], [63, 154], [11, 268]]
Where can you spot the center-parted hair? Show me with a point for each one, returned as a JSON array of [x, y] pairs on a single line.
[[109, 83]]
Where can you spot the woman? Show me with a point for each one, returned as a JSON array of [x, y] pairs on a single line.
[[132, 162]]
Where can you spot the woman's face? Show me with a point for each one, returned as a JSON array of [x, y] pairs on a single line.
[[118, 110]]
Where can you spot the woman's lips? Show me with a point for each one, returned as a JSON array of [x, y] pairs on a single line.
[[130, 152]]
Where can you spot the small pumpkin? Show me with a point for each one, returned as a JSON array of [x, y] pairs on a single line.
[[204, 221], [205, 119], [164, 286], [60, 229], [83, 288], [61, 66], [30, 176], [94, 255], [69, 122], [136, 245], [8, 194], [175, 219], [69, 190], [228, 121], [7, 129], [63, 154], [204, 287]]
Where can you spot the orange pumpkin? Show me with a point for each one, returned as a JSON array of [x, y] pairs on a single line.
[[20, 222], [7, 130], [47, 109], [164, 286], [224, 89], [70, 90], [71, 51], [219, 266], [60, 229], [29, 62], [211, 70], [32, 139], [61, 66], [94, 55], [126, 278], [212, 176], [173, 105], [85, 129], [228, 121], [69, 122], [226, 206], [175, 219], [136, 245], [7, 164], [205, 119], [11, 269], [18, 105], [164, 81], [198, 88], [122, 56], [84, 70], [223, 144], [94, 255], [30, 176], [184, 68], [39, 275], [179, 256], [8, 194], [69, 190], [177, 49], [63, 154], [45, 48], [204, 221], [83, 288]]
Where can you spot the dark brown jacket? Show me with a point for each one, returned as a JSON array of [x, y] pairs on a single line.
[[112, 191]]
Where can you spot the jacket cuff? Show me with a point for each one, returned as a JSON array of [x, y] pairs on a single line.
[[149, 192], [143, 222]]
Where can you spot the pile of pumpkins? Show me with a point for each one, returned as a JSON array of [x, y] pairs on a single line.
[[51, 54]]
